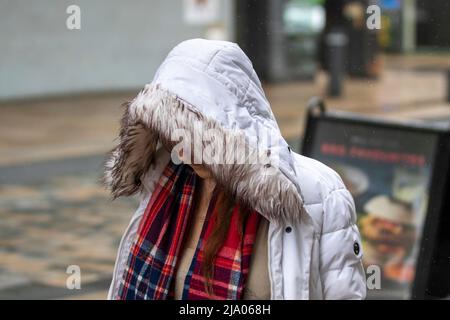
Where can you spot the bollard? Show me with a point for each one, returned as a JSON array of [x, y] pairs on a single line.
[[336, 42]]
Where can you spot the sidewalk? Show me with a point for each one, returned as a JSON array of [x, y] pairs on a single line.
[[53, 212]]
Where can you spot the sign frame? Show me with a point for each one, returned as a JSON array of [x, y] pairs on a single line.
[[433, 257]]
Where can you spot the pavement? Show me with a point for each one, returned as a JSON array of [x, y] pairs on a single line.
[[53, 211], [54, 214]]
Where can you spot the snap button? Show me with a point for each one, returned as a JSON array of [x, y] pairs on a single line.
[[288, 229], [356, 248]]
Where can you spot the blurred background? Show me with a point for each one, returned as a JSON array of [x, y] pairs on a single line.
[[67, 66]]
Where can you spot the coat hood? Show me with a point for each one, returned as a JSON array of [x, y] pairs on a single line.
[[210, 84]]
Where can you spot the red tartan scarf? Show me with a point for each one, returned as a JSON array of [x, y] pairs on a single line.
[[152, 261]]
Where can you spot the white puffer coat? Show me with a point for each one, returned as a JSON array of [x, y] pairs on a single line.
[[314, 245]]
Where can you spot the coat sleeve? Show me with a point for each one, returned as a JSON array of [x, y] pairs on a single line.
[[341, 270]]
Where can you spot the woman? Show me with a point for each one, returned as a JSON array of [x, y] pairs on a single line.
[[227, 210]]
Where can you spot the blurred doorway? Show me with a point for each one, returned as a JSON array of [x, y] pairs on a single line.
[[433, 24], [281, 37]]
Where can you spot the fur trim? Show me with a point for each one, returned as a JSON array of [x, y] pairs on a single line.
[[151, 118]]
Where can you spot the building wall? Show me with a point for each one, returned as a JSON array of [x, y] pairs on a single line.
[[119, 46]]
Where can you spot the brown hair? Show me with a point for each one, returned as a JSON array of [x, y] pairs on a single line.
[[224, 208], [222, 218]]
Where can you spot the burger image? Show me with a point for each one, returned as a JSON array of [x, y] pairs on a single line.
[[400, 271], [387, 230]]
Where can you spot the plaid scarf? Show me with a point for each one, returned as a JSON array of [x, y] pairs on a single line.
[[152, 262]]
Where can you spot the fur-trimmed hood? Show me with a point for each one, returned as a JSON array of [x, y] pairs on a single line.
[[210, 84]]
